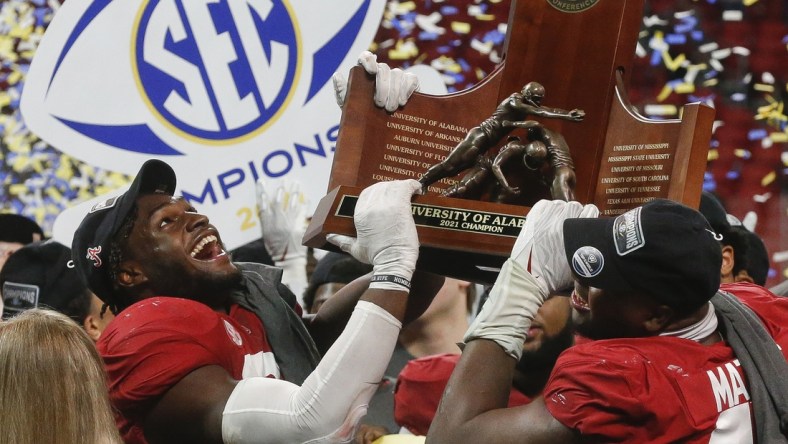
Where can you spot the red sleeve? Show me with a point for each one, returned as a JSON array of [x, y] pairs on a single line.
[[593, 396], [420, 388], [150, 347], [773, 310]]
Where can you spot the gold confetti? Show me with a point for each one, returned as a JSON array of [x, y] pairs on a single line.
[[665, 93], [671, 63], [779, 137], [461, 27], [685, 88], [762, 87], [768, 179]]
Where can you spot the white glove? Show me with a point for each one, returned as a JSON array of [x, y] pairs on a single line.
[[283, 220], [540, 246], [393, 87], [385, 233], [517, 294]]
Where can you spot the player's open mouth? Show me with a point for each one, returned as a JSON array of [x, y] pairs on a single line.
[[207, 248], [578, 303]]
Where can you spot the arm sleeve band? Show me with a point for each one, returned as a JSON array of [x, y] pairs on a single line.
[[328, 406]]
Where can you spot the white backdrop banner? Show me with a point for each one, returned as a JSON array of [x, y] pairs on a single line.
[[225, 91]]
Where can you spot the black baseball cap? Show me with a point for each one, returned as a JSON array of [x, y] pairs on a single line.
[[19, 229], [92, 239], [755, 255], [711, 208], [662, 249], [42, 274]]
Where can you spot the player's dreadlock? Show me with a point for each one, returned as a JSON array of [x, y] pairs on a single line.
[[118, 301]]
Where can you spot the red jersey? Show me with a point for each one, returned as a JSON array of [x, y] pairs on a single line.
[[661, 389], [153, 344], [420, 387]]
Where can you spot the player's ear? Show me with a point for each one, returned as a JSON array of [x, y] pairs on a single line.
[[660, 317], [130, 274], [91, 326], [726, 270]]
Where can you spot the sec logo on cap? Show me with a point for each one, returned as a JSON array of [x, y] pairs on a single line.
[[588, 262]]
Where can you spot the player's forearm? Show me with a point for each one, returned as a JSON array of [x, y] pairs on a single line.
[[332, 399], [334, 314], [481, 382]]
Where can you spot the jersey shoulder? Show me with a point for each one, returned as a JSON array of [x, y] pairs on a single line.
[[165, 315]]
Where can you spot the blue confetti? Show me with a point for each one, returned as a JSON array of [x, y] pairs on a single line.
[[757, 134], [656, 58], [687, 25], [676, 39], [738, 97], [40, 15], [449, 10], [709, 184], [495, 37], [704, 99], [676, 82]]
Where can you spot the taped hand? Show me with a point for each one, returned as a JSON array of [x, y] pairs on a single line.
[[540, 245], [385, 233]]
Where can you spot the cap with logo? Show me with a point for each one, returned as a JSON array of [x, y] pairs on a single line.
[[42, 274], [93, 237], [662, 249]]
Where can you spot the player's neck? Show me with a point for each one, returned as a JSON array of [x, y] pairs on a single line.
[[701, 327]]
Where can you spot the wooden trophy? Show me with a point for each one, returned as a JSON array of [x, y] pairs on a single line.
[[580, 53]]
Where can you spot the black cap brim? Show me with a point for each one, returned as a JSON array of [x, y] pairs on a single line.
[[591, 254]]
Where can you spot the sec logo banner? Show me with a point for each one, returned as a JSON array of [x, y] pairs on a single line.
[[225, 91]]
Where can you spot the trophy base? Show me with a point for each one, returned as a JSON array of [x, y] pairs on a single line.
[[460, 238]]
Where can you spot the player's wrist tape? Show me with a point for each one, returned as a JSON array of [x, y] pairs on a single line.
[[392, 279]]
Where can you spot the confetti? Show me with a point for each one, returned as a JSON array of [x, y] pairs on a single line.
[[461, 27], [661, 110], [732, 15], [742, 153], [780, 256], [768, 179]]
